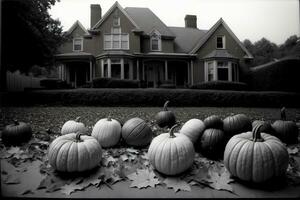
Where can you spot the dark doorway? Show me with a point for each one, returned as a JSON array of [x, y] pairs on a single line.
[[79, 73]]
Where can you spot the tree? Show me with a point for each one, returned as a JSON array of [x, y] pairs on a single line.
[[29, 35]]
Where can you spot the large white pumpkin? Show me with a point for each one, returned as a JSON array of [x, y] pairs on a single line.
[[171, 153], [193, 129], [107, 131]]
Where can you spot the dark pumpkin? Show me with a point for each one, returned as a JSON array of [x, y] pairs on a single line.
[[236, 124], [213, 121], [16, 133], [286, 131], [136, 132], [212, 143], [165, 118]]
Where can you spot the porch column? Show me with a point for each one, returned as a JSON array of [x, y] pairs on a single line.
[[189, 72], [137, 70], [215, 71], [229, 71], [91, 71], [102, 68], [122, 68], [130, 70], [192, 72], [166, 70], [75, 79], [143, 71], [108, 68], [63, 72]]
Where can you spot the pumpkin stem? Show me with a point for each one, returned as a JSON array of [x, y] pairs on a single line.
[[282, 114], [166, 105], [256, 133], [171, 132], [77, 119], [16, 122], [78, 134]]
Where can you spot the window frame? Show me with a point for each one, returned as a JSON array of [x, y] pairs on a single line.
[[157, 36], [81, 44], [223, 42]]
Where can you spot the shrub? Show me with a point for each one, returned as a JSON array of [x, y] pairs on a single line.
[[282, 75], [54, 84], [167, 84], [221, 85], [114, 83]]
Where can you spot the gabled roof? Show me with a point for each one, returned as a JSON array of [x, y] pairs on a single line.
[[147, 21], [210, 33], [186, 38], [107, 14], [74, 26]]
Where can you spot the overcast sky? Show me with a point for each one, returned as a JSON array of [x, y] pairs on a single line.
[[275, 20]]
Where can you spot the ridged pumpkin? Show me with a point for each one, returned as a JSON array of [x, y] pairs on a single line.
[[236, 124], [16, 133], [136, 132], [171, 153], [193, 129], [73, 126], [255, 156], [74, 152], [165, 118], [286, 131], [213, 121], [212, 143], [107, 131]]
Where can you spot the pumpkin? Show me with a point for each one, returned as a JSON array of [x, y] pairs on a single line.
[[136, 132], [16, 133], [213, 121], [74, 152], [236, 124], [266, 126], [165, 118], [286, 131], [193, 129], [212, 143], [73, 126], [107, 131], [171, 153], [255, 156]]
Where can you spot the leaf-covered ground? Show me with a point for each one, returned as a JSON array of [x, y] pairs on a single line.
[[122, 164]]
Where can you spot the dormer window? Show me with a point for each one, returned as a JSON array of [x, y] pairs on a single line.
[[155, 41], [221, 42], [78, 44]]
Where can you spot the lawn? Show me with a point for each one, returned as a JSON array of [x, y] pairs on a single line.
[[114, 178]]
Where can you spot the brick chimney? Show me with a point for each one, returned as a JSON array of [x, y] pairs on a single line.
[[95, 14], [190, 21]]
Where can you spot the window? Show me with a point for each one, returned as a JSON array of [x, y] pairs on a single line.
[[116, 40], [155, 41], [115, 68], [234, 72], [210, 71], [77, 44], [221, 42], [116, 21], [223, 70]]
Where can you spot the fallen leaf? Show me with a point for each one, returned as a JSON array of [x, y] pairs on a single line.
[[177, 184], [133, 151], [293, 151], [70, 188], [124, 157], [220, 182], [143, 178]]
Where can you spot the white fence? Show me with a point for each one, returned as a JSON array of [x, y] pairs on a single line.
[[17, 81]]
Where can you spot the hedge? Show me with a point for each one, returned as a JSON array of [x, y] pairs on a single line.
[[282, 75], [221, 85], [150, 97], [114, 83]]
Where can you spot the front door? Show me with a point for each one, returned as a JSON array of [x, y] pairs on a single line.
[[154, 72], [79, 74]]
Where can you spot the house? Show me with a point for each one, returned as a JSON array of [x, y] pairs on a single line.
[[133, 43]]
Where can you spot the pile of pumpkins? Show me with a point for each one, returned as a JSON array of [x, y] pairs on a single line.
[[252, 151]]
